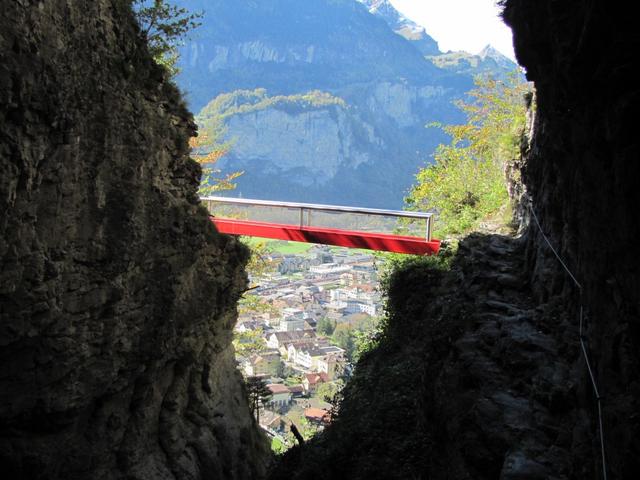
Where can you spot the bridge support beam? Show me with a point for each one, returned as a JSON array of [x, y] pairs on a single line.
[[329, 236]]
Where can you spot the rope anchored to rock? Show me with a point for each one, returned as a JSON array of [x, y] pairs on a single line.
[[583, 345]]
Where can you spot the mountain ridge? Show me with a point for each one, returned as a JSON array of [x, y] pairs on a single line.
[[362, 152], [403, 26]]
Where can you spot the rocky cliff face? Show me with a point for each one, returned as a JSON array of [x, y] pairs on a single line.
[[117, 296], [474, 378], [353, 153], [270, 140], [582, 174]]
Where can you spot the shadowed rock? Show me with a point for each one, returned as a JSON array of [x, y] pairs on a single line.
[[117, 295]]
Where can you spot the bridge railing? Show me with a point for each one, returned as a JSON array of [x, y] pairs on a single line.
[[324, 216]]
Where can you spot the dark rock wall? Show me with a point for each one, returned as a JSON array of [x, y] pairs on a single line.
[[117, 297], [473, 379], [582, 174]]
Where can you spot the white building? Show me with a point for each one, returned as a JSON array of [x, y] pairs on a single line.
[[279, 339], [329, 269], [291, 324], [280, 395], [310, 357]]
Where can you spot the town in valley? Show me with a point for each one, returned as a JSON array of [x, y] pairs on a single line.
[[301, 326]]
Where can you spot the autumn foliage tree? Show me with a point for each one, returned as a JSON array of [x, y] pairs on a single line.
[[207, 152], [467, 182]]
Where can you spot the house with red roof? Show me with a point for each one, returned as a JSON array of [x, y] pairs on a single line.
[[280, 395], [317, 415], [311, 381]]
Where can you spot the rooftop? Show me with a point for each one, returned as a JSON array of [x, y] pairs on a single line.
[[276, 388]]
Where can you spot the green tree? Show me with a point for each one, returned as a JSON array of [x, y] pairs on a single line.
[[249, 342], [165, 27], [277, 447], [325, 326], [251, 303], [258, 394], [259, 264], [365, 340], [328, 391], [343, 338], [467, 183]]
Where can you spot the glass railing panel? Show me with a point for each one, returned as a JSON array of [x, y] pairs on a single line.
[[321, 216]]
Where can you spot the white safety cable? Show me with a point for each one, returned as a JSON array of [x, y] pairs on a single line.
[[582, 344]]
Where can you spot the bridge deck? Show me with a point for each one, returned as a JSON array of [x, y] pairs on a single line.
[[329, 236], [352, 227]]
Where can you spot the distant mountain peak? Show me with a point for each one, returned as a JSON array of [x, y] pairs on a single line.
[[488, 61], [375, 5], [403, 26], [490, 52]]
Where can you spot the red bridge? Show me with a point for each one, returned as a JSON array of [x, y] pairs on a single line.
[[326, 224]]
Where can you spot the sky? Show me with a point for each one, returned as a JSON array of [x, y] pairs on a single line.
[[460, 24]]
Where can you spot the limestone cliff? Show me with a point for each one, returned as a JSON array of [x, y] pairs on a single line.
[[117, 296], [327, 150]]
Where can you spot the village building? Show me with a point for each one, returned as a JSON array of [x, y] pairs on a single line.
[[331, 365], [297, 391], [311, 381], [278, 339], [317, 416], [280, 395], [329, 269], [250, 326], [271, 421], [263, 363], [292, 348], [308, 357]]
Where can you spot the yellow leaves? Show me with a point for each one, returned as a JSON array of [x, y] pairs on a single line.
[[259, 264], [466, 182], [207, 152], [210, 157]]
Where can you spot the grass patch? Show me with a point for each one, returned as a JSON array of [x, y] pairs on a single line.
[[277, 446], [279, 246], [289, 248]]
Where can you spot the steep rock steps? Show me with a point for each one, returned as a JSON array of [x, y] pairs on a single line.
[[468, 382]]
